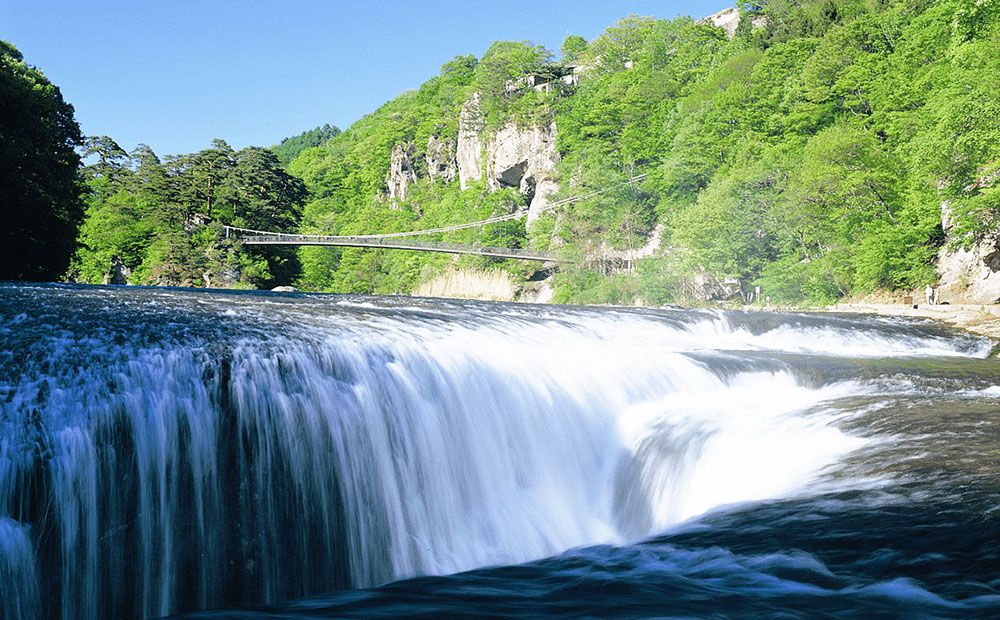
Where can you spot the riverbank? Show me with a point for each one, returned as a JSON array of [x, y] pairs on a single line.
[[983, 319], [979, 319]]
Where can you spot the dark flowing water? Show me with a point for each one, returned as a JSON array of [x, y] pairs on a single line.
[[260, 455]]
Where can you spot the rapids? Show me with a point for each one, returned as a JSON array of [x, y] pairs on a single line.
[[166, 451]]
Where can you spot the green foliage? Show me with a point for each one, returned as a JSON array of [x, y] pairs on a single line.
[[585, 286], [963, 148], [507, 61], [974, 17], [505, 79], [659, 281], [793, 280], [769, 22], [346, 179], [152, 216], [573, 47], [808, 162], [39, 186], [730, 230], [290, 147]]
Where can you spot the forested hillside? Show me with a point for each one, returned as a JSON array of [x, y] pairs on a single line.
[[809, 155], [824, 148]]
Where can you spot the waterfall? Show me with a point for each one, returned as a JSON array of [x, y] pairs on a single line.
[[154, 468]]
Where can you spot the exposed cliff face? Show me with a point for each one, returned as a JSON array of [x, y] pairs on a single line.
[[407, 165], [440, 159], [973, 275], [618, 260], [727, 19], [402, 170], [470, 149], [523, 158], [969, 275]]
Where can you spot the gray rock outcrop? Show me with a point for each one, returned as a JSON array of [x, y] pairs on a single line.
[[440, 157], [969, 275], [118, 272], [524, 158], [407, 166], [402, 170], [727, 19], [469, 153]]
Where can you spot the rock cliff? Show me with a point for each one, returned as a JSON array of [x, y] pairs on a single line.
[[523, 158], [118, 272], [407, 165], [727, 19], [470, 149], [969, 275], [440, 159], [402, 171]]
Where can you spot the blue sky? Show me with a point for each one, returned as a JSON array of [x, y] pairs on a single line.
[[177, 74]]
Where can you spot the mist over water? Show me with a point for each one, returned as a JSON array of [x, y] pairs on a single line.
[[167, 451]]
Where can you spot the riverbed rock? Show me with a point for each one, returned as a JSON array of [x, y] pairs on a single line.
[[118, 272]]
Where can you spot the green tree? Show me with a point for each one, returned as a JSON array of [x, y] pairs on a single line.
[[619, 45], [573, 47], [730, 231], [962, 148], [40, 191], [504, 75], [201, 178], [290, 147], [266, 197], [112, 160]]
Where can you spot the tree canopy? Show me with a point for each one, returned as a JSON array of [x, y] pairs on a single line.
[[290, 147], [39, 186], [161, 220]]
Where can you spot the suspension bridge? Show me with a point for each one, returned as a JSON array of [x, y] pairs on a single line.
[[407, 241]]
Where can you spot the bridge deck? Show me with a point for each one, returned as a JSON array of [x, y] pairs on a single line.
[[399, 244]]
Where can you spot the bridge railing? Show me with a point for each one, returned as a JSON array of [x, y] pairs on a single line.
[[398, 244]]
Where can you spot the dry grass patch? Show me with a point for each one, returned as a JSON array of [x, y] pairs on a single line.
[[492, 285]]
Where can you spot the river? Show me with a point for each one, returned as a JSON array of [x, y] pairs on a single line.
[[171, 451]]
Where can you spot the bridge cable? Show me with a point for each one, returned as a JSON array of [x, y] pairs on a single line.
[[476, 224]]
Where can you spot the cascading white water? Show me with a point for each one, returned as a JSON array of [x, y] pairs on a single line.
[[354, 447], [17, 569], [468, 452]]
